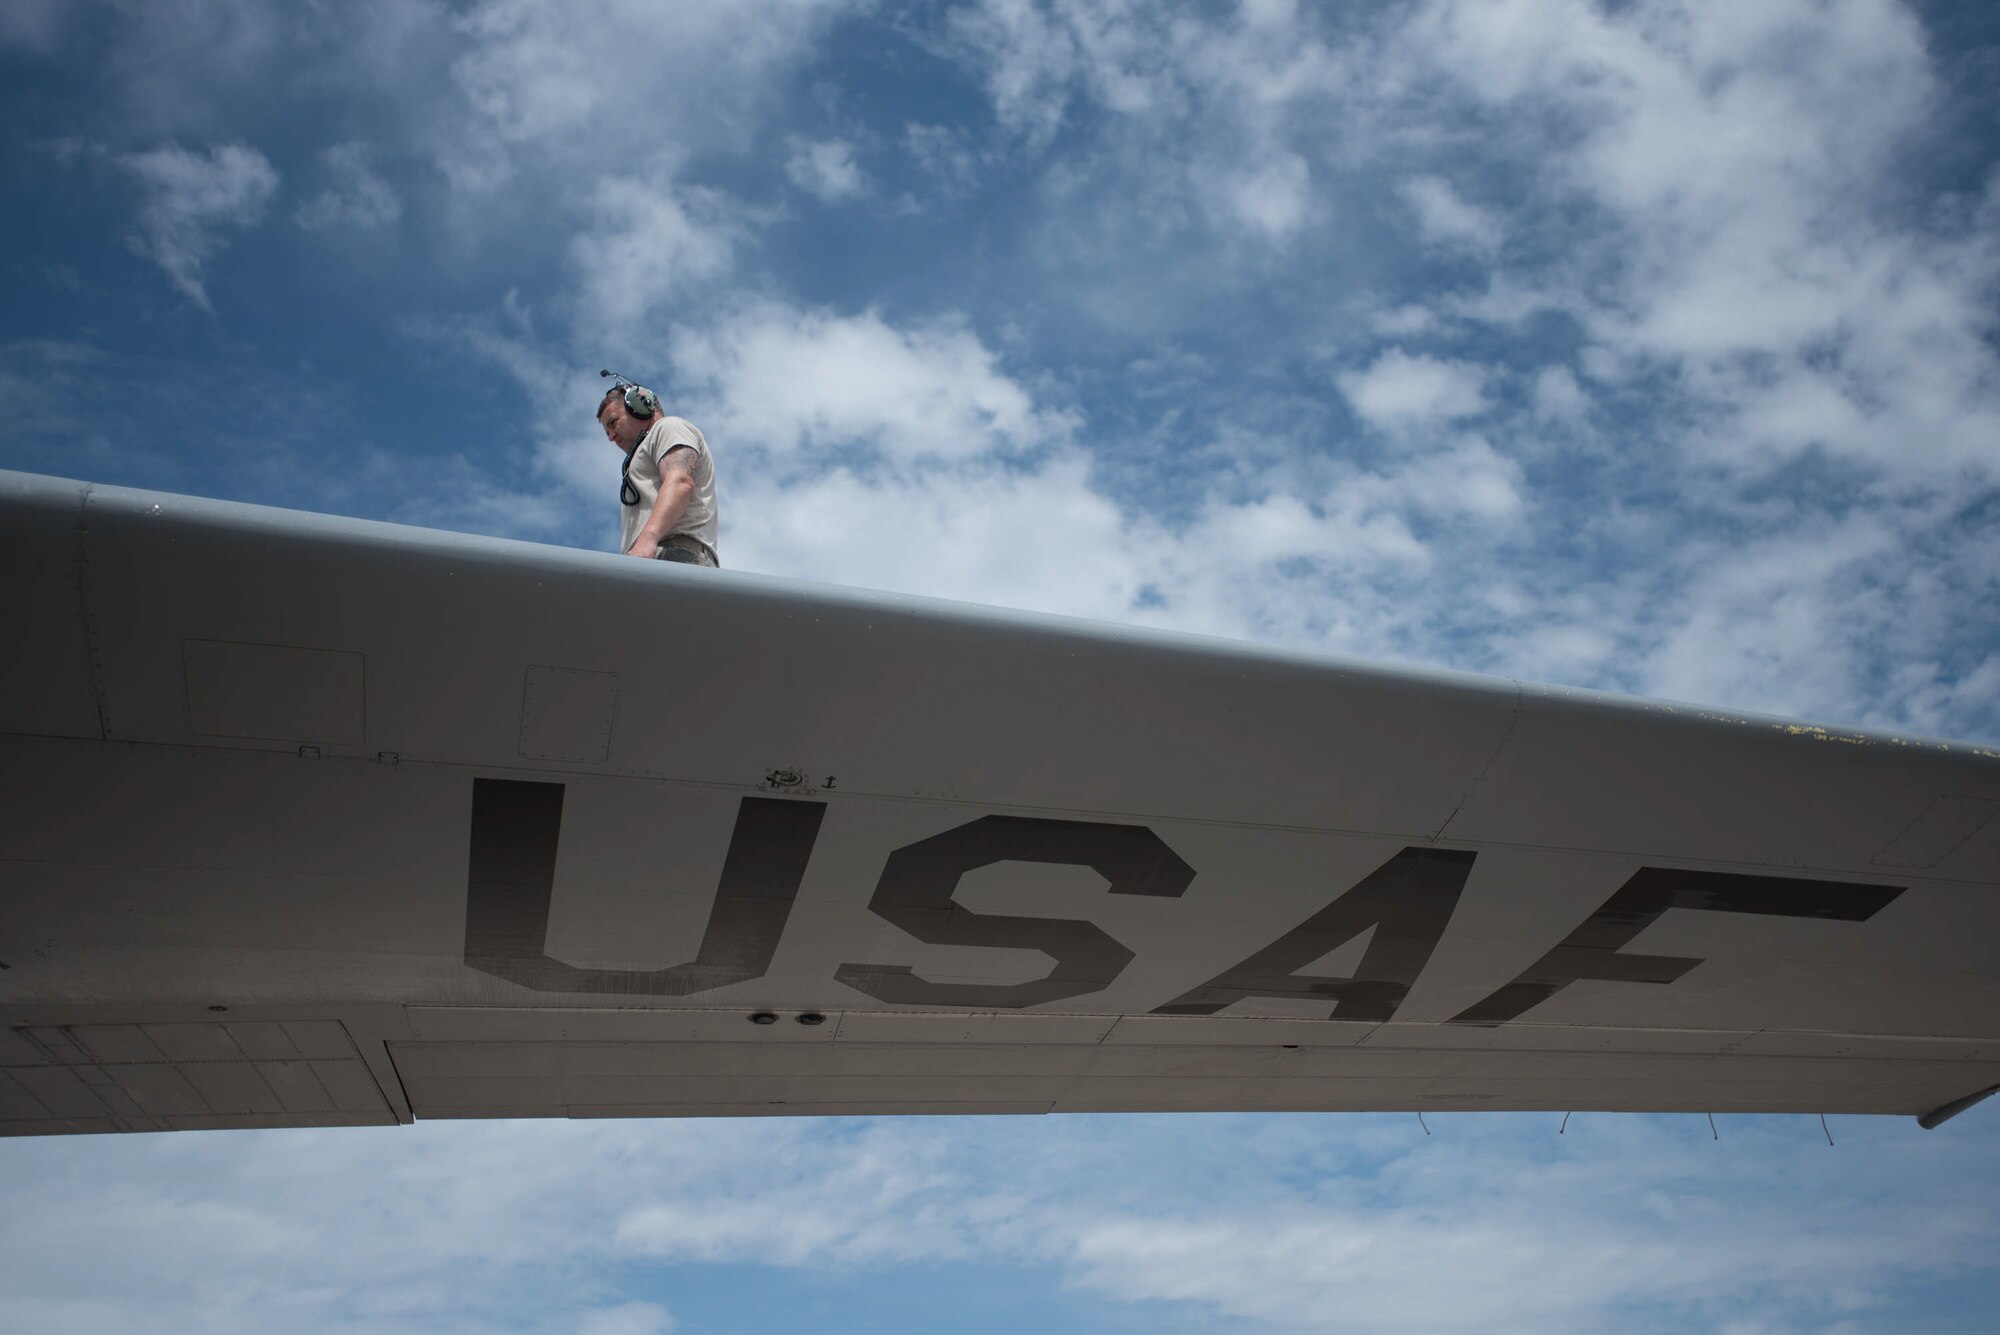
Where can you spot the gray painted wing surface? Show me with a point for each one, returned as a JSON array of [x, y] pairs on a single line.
[[314, 821]]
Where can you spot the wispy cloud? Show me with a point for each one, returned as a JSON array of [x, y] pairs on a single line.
[[649, 243], [1446, 219], [188, 201], [32, 24], [538, 73], [1493, 1222], [639, 1318], [356, 196], [825, 169]]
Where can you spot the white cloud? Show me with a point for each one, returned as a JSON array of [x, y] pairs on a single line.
[[1770, 624], [650, 243], [1343, 568], [1187, 130], [356, 196], [537, 95], [1446, 219], [1403, 321], [1760, 249], [1931, 700], [1466, 478], [1398, 391], [627, 1319], [1558, 395], [784, 380], [1041, 539], [1275, 198], [532, 77], [188, 200], [533, 1227], [541, 71], [825, 169], [1276, 529], [1029, 58]]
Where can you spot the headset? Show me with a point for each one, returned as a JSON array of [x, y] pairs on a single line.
[[641, 402]]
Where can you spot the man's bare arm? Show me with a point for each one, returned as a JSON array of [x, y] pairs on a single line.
[[676, 486]]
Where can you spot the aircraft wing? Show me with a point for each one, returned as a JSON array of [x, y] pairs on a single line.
[[313, 821]]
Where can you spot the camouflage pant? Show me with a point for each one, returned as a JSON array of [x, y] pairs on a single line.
[[685, 555]]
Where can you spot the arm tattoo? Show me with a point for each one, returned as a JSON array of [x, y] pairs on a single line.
[[679, 459]]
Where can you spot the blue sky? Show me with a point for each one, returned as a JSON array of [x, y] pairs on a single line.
[[1642, 345]]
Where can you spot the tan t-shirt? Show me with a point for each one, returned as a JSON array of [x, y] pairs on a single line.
[[699, 519]]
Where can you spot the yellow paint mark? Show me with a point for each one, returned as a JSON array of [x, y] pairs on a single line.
[[1821, 734], [1724, 718]]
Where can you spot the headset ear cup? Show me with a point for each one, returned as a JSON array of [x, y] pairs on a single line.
[[641, 402]]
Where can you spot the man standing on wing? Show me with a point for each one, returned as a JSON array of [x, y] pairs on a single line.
[[667, 487]]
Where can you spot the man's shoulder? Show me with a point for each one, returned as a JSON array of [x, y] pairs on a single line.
[[671, 432]]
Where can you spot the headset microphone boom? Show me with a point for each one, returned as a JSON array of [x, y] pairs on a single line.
[[641, 402]]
